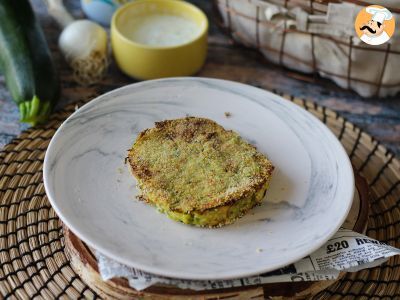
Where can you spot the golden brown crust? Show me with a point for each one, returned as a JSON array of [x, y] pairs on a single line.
[[167, 158]]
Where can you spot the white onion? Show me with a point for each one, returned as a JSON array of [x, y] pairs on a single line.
[[83, 43], [80, 38]]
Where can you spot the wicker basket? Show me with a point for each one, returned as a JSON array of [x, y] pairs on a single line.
[[300, 35]]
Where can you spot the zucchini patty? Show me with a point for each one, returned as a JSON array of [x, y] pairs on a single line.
[[196, 172]]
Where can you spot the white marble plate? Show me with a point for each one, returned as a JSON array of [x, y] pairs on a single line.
[[93, 192]]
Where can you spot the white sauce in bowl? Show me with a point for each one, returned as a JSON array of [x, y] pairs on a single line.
[[161, 30]]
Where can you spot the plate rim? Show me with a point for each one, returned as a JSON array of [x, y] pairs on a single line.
[[186, 275]]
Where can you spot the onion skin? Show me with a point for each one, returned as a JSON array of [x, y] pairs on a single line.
[[84, 45]]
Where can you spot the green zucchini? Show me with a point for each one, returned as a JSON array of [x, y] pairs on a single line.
[[26, 62]]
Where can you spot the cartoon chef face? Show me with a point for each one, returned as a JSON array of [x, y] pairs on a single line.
[[373, 28], [374, 25]]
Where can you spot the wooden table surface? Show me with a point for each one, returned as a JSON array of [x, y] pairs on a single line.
[[226, 60]]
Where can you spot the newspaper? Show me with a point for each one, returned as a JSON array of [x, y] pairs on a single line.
[[346, 251]]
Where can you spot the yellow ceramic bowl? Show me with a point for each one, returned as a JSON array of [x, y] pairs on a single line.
[[148, 62]]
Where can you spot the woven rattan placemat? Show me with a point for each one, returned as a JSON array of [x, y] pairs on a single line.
[[33, 263]]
